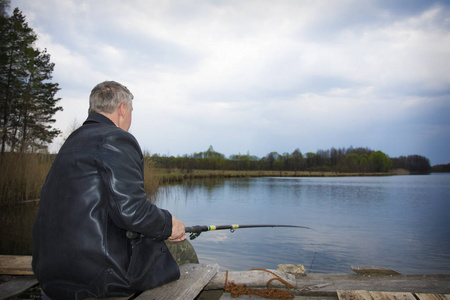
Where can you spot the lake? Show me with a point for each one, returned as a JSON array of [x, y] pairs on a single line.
[[397, 222]]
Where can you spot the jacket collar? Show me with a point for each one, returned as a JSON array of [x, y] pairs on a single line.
[[98, 118]]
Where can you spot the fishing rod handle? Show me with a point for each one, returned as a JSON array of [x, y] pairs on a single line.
[[196, 228], [193, 229]]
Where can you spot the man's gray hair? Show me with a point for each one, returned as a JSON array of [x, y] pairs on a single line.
[[106, 97]]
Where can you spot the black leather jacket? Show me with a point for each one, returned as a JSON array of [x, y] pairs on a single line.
[[93, 194]]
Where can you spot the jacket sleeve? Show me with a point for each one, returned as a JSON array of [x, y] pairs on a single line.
[[122, 172]]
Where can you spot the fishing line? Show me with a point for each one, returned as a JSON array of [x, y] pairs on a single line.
[[312, 262]]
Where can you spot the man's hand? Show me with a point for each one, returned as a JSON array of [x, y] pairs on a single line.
[[178, 233]]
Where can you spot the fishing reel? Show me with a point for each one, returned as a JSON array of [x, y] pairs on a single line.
[[194, 235]]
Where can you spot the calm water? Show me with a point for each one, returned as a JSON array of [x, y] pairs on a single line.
[[398, 222]]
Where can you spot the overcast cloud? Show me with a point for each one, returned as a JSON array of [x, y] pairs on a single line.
[[259, 76]]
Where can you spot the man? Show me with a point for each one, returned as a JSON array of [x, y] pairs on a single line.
[[93, 194]]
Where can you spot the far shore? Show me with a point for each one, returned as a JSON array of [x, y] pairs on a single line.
[[175, 175]]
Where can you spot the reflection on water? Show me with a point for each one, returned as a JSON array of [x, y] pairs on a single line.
[[398, 222]]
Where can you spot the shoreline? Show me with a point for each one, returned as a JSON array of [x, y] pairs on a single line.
[[166, 176]]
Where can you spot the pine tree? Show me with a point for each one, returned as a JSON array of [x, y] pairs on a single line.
[[27, 95]]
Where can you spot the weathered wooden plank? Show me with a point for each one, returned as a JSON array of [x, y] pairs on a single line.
[[227, 296], [254, 278], [353, 295], [17, 286], [392, 296], [113, 298], [423, 296], [15, 265], [193, 277], [330, 283], [372, 270]]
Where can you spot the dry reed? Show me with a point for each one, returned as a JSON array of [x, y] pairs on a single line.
[[22, 176]]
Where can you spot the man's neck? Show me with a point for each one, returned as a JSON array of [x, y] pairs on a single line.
[[114, 117]]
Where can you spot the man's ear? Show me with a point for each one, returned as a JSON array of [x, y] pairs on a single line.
[[123, 109]]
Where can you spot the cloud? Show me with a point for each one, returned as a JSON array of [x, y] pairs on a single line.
[[259, 77]]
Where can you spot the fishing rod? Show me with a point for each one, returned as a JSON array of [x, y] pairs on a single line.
[[196, 230]]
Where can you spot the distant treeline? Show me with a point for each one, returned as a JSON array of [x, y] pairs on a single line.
[[335, 160], [441, 168]]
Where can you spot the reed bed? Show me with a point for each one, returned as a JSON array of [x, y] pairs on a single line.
[[22, 176], [151, 182]]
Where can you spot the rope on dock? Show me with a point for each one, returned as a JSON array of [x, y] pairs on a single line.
[[237, 290]]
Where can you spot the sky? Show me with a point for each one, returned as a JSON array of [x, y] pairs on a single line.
[[258, 76]]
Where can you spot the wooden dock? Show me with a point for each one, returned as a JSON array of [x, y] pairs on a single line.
[[366, 295], [358, 295], [193, 278], [205, 282]]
